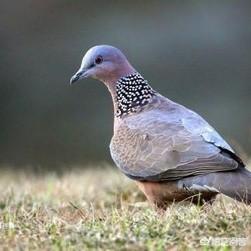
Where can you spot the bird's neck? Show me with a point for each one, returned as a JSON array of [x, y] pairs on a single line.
[[130, 94]]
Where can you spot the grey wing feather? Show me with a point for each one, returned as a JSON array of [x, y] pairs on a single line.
[[196, 124], [171, 145]]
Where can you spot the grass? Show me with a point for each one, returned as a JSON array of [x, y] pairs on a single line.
[[100, 209]]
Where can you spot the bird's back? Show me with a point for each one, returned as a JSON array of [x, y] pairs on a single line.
[[167, 138]]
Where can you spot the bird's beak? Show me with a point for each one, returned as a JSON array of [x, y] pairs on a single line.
[[79, 75]]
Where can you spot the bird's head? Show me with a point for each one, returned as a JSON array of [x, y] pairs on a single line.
[[105, 63]]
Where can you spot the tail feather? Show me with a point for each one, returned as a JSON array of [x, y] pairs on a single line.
[[235, 184]]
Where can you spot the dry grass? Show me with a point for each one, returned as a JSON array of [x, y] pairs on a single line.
[[100, 209]]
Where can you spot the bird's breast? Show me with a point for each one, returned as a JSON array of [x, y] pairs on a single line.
[[126, 146]]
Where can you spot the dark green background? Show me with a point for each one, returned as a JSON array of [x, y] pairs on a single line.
[[197, 53]]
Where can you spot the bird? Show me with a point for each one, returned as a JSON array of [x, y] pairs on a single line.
[[170, 151]]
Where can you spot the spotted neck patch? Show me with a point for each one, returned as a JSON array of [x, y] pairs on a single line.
[[133, 92]]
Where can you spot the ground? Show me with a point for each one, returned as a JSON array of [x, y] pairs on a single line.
[[100, 209]]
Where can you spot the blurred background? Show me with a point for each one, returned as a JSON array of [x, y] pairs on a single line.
[[197, 53]]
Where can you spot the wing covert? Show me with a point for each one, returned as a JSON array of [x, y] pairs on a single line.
[[169, 147]]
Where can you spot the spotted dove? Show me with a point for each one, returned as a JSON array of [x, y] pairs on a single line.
[[170, 151]]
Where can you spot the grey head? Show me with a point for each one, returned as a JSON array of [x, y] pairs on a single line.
[[105, 63]]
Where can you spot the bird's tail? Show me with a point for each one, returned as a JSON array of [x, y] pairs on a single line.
[[235, 184]]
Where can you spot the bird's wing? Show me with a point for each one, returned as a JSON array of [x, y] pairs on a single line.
[[160, 145], [197, 125]]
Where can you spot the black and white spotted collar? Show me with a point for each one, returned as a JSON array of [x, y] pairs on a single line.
[[132, 92]]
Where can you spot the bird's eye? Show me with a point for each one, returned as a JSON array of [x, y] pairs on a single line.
[[98, 60]]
